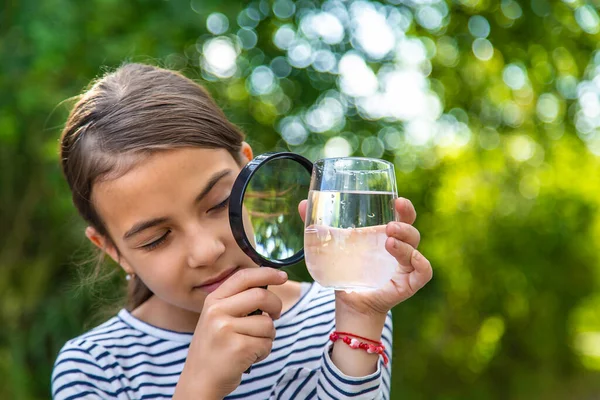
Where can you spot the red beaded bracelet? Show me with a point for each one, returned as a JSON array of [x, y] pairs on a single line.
[[352, 341]]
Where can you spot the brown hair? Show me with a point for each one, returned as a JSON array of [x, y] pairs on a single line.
[[133, 112]]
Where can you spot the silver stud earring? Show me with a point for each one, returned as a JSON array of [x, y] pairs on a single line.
[[129, 276]]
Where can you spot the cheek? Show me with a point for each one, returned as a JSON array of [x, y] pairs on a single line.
[[232, 249], [160, 270], [219, 229]]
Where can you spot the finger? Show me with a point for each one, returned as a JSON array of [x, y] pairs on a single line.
[[250, 300], [264, 349], [257, 348], [422, 271], [404, 232], [249, 278], [243, 351], [260, 326], [302, 209], [402, 252], [406, 211]]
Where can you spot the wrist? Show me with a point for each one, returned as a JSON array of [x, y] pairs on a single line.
[[369, 325], [189, 387], [348, 319]]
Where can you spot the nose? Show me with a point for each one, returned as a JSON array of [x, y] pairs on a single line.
[[204, 248]]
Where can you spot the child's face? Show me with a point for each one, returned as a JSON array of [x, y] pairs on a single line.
[[168, 216]]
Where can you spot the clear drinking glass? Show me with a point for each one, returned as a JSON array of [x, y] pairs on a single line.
[[351, 199]]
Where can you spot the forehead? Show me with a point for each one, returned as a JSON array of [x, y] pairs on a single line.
[[158, 185]]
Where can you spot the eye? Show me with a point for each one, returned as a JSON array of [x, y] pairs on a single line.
[[221, 205], [153, 245]]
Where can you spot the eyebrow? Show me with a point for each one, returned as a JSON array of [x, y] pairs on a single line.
[[140, 226], [211, 183]]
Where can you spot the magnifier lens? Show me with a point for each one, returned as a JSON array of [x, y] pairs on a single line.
[[270, 208]]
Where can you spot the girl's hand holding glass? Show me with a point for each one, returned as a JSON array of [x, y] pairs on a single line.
[[364, 312], [359, 238], [413, 270]]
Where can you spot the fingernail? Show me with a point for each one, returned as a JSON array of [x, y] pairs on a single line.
[[416, 255], [283, 274], [395, 243]]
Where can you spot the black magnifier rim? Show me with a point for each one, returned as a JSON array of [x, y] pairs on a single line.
[[236, 201]]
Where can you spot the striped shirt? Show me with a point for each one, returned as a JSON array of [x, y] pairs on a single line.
[[125, 358]]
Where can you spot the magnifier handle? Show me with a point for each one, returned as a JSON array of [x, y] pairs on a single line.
[[256, 312]]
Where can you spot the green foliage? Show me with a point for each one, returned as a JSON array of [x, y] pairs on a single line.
[[488, 109]]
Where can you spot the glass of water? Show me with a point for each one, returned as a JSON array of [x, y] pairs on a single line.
[[350, 202]]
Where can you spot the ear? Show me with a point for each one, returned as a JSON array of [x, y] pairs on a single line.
[[246, 152], [105, 245]]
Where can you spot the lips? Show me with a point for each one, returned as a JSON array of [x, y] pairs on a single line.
[[213, 283]]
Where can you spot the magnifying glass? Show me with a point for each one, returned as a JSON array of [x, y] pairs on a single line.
[[263, 209]]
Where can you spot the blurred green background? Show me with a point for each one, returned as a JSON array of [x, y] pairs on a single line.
[[490, 111]]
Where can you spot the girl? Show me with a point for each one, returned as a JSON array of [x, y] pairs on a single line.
[[151, 161]]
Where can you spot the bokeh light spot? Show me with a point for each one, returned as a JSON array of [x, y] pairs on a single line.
[[541, 8], [371, 30], [324, 61], [567, 86], [511, 9], [521, 147], [280, 67], [489, 138], [372, 147], [219, 57], [357, 79], [284, 9], [337, 147], [284, 37], [514, 76], [512, 115], [479, 26], [419, 132], [447, 51], [405, 162], [430, 18], [326, 115], [262, 80], [300, 54], [483, 49], [392, 139], [217, 23], [248, 38], [587, 18], [324, 26], [248, 18], [293, 131], [529, 186], [548, 107], [411, 51]]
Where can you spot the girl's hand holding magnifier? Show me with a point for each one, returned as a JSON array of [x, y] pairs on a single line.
[[227, 341]]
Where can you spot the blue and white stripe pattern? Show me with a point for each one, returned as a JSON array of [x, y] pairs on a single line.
[[125, 358]]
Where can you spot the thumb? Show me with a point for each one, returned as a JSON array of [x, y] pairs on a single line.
[[302, 210]]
